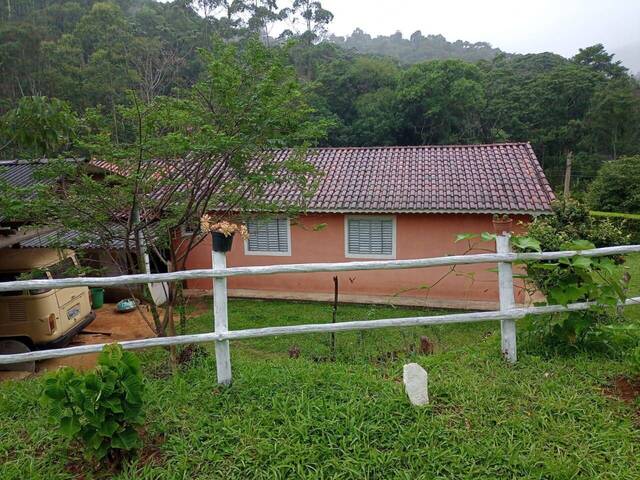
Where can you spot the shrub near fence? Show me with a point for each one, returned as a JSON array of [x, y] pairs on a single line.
[[629, 222], [507, 315]]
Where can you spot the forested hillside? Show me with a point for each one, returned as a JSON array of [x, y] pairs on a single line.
[[87, 57], [417, 48]]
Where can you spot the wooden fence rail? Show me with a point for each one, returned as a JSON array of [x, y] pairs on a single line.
[[508, 313], [311, 268]]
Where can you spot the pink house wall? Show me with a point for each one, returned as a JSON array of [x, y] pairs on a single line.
[[417, 236]]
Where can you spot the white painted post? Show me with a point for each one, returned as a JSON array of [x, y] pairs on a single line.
[[507, 300], [220, 320]]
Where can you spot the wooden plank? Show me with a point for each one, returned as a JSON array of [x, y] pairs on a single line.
[[220, 319], [311, 267], [515, 313], [507, 301]]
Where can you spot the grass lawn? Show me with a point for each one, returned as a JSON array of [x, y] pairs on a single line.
[[313, 418]]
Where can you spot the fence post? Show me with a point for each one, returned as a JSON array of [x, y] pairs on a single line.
[[507, 300], [220, 320]]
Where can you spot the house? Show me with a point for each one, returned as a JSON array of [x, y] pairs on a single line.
[[15, 234], [391, 203]]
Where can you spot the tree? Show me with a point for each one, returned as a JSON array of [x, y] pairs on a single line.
[[597, 58], [209, 150], [613, 121], [441, 102], [38, 127], [315, 18], [265, 13], [616, 188], [340, 87], [417, 48], [377, 118], [156, 65]]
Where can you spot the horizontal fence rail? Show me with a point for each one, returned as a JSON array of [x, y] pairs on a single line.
[[311, 268], [507, 314], [516, 313]]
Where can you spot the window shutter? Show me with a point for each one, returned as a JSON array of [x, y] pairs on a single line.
[[268, 235], [370, 236]]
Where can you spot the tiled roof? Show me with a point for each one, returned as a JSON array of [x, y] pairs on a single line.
[[497, 178], [467, 178]]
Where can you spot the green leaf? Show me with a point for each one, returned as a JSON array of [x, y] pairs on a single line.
[[579, 245], [69, 426], [54, 392], [108, 428], [581, 262], [465, 236], [128, 439], [526, 243], [487, 237]]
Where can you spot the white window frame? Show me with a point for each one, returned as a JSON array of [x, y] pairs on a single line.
[[272, 254], [370, 255], [186, 232]]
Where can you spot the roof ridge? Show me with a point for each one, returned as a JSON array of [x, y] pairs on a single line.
[[389, 147]]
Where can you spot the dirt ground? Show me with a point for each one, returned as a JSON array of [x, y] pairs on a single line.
[[109, 326]]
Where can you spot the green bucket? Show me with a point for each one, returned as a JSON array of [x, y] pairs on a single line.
[[97, 298]]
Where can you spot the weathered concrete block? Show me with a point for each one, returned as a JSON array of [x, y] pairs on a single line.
[[416, 385]]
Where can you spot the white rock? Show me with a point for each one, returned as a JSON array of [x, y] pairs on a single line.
[[415, 380]]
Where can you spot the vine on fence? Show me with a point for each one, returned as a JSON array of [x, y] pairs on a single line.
[[571, 280], [601, 280]]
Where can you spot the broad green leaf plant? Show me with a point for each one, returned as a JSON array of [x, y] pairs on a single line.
[[102, 409], [600, 280]]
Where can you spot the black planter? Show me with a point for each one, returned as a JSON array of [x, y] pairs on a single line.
[[221, 243]]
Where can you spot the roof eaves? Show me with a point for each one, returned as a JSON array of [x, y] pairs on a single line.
[[434, 211]]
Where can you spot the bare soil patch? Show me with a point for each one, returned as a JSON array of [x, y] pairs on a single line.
[[109, 326], [626, 389]]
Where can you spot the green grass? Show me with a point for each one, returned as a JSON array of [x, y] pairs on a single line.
[[312, 418]]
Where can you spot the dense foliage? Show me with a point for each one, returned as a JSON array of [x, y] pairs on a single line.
[[247, 102], [416, 48], [577, 279], [574, 280], [101, 409], [616, 188], [571, 220], [381, 91]]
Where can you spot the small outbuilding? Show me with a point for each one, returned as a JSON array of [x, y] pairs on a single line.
[[391, 203]]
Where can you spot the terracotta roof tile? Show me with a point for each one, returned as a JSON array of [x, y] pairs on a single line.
[[493, 178], [475, 178]]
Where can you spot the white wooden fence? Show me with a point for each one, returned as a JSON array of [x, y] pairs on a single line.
[[507, 315]]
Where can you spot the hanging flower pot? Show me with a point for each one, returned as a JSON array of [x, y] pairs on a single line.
[[222, 242], [502, 224], [222, 232]]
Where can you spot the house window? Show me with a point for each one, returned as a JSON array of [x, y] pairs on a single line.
[[189, 228], [367, 237], [268, 237]]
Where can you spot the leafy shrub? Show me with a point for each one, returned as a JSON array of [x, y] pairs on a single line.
[[570, 227], [570, 220], [573, 280], [616, 187], [577, 279], [100, 409], [628, 223]]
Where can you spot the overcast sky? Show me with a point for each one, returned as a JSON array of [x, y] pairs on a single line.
[[520, 26]]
